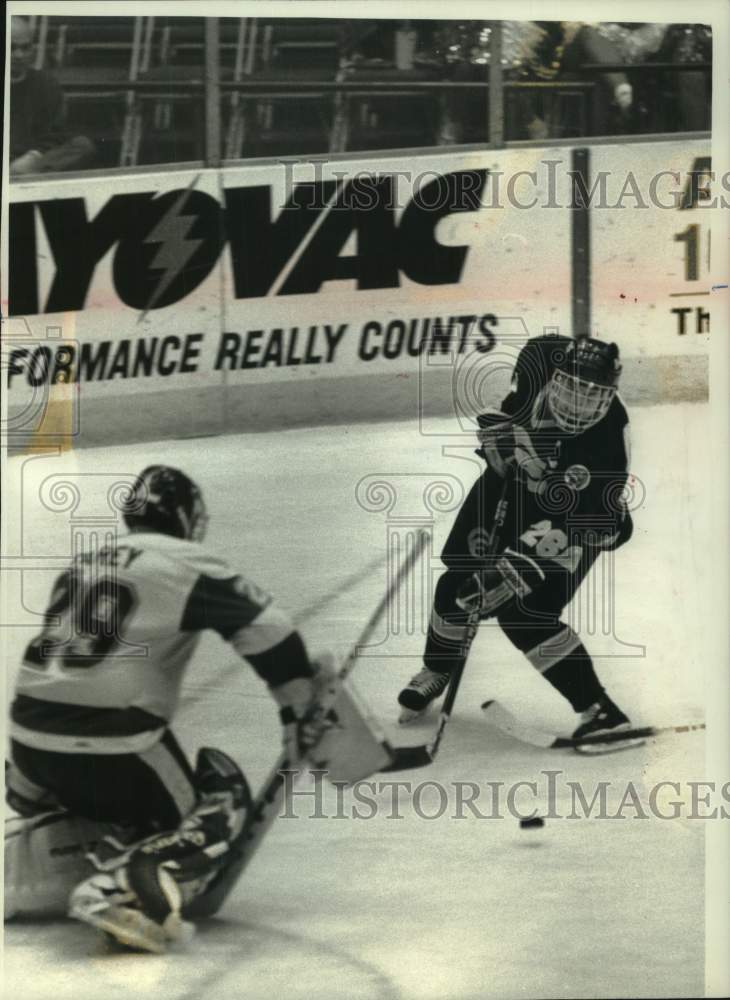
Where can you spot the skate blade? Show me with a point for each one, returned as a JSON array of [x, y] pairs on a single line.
[[129, 928], [408, 715], [601, 749], [596, 734]]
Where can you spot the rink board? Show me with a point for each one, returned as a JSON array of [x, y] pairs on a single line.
[[185, 303]]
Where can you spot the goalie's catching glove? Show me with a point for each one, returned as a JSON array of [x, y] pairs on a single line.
[[487, 590]]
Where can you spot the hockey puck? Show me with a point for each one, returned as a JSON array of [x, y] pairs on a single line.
[[534, 822]]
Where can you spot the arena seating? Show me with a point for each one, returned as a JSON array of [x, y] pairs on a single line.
[[95, 57], [137, 126], [87, 54]]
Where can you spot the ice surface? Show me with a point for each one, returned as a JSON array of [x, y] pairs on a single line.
[[411, 907]]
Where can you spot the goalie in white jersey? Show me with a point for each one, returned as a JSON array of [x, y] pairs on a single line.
[[109, 807]]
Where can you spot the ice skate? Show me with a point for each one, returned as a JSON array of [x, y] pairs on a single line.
[[605, 719], [420, 691], [106, 903]]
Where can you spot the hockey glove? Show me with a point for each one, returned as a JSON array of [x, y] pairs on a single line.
[[504, 443], [302, 716], [487, 590], [496, 440]]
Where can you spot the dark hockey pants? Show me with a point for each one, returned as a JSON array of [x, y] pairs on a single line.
[[148, 791], [533, 624]]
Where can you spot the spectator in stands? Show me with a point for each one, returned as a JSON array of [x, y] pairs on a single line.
[[39, 141], [688, 103], [616, 110], [464, 50], [365, 41]]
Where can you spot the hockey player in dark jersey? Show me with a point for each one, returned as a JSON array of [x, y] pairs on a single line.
[[561, 435], [109, 809]]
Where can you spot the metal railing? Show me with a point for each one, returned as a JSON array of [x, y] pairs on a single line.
[[242, 89], [245, 92]]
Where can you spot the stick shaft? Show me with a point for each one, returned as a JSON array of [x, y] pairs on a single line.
[[275, 783], [267, 805], [406, 758], [500, 516], [404, 570]]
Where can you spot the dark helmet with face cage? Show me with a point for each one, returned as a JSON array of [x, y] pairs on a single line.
[[583, 384], [164, 499]]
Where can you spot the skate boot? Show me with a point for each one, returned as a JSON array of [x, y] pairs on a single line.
[[420, 691], [602, 718], [107, 902]]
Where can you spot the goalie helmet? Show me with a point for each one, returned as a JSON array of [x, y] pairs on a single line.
[[164, 499], [583, 384]]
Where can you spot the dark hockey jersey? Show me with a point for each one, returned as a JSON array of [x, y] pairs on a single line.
[[578, 478]]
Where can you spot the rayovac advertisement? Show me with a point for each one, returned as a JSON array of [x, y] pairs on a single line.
[[142, 283], [259, 272]]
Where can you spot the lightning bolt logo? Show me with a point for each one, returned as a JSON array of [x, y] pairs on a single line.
[[175, 249]]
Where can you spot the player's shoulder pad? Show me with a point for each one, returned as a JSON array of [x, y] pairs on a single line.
[[189, 556], [221, 598], [210, 564], [225, 605]]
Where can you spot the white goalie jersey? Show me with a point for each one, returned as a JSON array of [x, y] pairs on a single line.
[[105, 673]]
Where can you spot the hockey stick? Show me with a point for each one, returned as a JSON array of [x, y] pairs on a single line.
[[267, 806], [600, 743], [606, 739], [194, 695], [408, 758]]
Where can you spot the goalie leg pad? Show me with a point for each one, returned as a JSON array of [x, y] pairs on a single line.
[[193, 854], [143, 891], [45, 857], [351, 747], [24, 796]]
